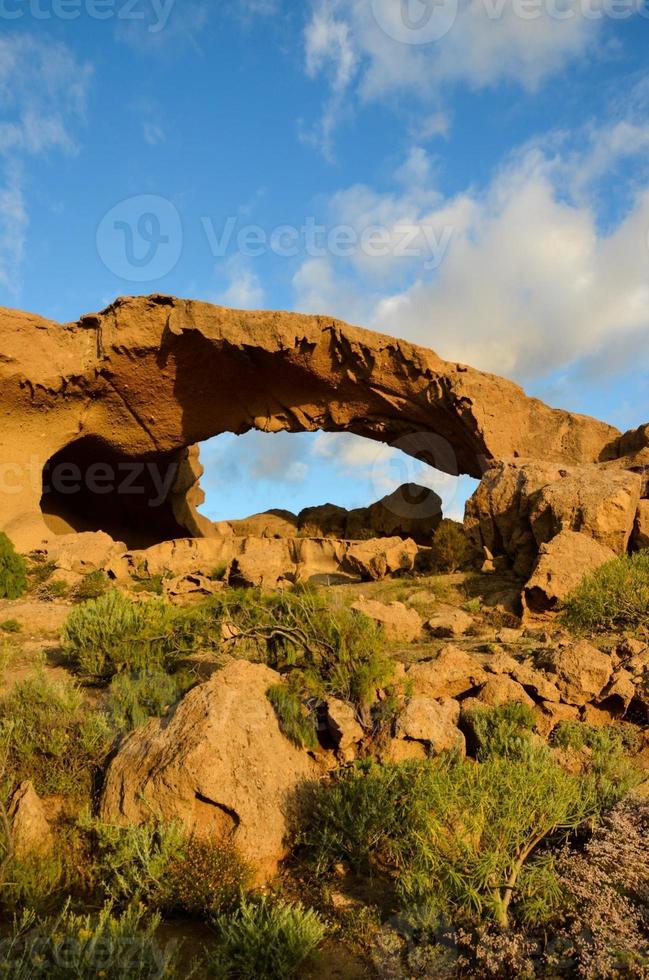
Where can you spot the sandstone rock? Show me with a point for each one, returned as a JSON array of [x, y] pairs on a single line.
[[509, 636], [561, 566], [454, 672], [641, 526], [404, 750], [503, 690], [537, 682], [582, 672], [598, 716], [411, 512], [449, 622], [342, 725], [434, 722], [80, 553], [219, 764], [549, 714], [397, 621], [620, 692], [373, 560], [271, 524], [150, 378], [30, 829]]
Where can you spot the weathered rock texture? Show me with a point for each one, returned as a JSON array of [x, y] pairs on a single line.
[[148, 379], [219, 764]]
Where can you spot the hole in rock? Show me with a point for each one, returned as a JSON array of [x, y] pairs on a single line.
[[89, 487]]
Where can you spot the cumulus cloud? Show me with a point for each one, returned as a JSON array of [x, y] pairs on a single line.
[[372, 50], [530, 278], [244, 291]]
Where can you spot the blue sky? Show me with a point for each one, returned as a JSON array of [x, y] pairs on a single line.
[[472, 176]]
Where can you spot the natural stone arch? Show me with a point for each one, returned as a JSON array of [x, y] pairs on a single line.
[[151, 377]]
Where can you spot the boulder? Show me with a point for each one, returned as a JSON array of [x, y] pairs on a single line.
[[80, 553], [399, 623], [549, 714], [404, 750], [561, 566], [30, 829], [449, 622], [434, 722], [219, 764], [641, 527], [504, 690], [452, 673], [342, 725], [581, 672], [373, 560], [620, 692]]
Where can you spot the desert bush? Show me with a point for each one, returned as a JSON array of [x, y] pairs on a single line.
[[53, 589], [13, 570], [296, 722], [218, 572], [49, 735], [112, 634], [457, 836], [611, 770], [613, 597], [207, 877], [266, 939], [336, 650], [503, 731], [86, 947], [91, 586], [10, 626], [34, 881], [133, 699], [451, 549]]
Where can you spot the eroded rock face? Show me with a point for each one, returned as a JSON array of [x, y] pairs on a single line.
[[219, 764], [146, 380]]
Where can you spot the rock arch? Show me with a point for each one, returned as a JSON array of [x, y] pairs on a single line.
[[149, 378]]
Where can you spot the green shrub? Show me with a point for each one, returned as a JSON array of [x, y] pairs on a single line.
[[269, 940], [86, 947], [13, 570], [51, 736], [218, 572], [455, 835], [34, 881], [613, 597], [502, 731], [92, 585], [10, 626], [135, 698], [208, 877], [53, 589], [611, 770], [154, 585], [295, 721], [113, 633], [451, 549], [334, 649], [40, 571]]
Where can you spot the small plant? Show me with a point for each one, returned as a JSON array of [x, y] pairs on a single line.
[[135, 698], [92, 585], [502, 731], [13, 570], [218, 572], [295, 721], [613, 597], [267, 939], [112, 634], [53, 589], [153, 585], [86, 947], [451, 549], [610, 768], [40, 571], [50, 736], [208, 877], [10, 626]]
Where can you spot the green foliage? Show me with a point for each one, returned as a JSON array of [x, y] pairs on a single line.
[[53, 589], [456, 835], [161, 867], [112, 634], [51, 736], [10, 626], [336, 650], [503, 731], [269, 940], [154, 585], [135, 698], [13, 570], [86, 947], [611, 771], [40, 571], [34, 881], [218, 572], [295, 721], [92, 585], [451, 548], [613, 597], [208, 877]]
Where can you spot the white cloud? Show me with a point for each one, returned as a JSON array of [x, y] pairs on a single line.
[[13, 229], [354, 44], [244, 291], [531, 280]]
